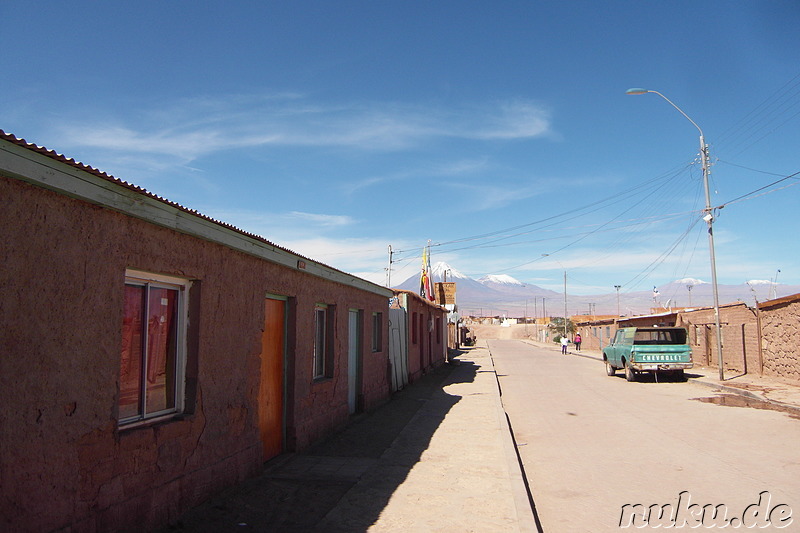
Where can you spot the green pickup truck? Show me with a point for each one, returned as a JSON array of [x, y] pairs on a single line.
[[657, 350]]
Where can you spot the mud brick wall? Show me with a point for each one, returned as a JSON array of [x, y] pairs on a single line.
[[739, 337], [780, 326], [65, 464]]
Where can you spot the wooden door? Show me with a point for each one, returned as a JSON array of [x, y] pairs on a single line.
[[270, 395]]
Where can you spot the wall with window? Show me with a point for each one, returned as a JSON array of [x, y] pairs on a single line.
[[427, 342], [131, 359], [596, 334]]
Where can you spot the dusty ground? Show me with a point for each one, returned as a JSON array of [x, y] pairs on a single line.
[[516, 331]]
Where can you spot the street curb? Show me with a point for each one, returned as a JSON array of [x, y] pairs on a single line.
[[527, 518], [746, 393]]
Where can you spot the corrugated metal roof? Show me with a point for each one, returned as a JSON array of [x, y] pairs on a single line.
[[91, 170]]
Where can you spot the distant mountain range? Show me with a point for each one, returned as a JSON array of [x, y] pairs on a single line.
[[502, 294]]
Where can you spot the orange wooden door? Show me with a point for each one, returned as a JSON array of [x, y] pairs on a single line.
[[270, 395]]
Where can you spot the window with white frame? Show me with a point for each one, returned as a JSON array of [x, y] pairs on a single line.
[[320, 341], [377, 332], [153, 360]]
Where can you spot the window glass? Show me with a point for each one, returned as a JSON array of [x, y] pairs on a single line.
[[151, 358], [131, 360], [320, 341], [377, 328], [161, 350]]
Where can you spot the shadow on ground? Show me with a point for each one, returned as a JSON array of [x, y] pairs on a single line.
[[344, 482]]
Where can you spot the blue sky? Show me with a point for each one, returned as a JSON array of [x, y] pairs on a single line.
[[499, 131]]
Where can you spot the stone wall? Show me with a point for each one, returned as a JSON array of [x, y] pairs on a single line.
[[780, 326]]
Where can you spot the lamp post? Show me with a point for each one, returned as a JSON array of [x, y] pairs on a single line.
[[708, 217], [774, 288], [618, 287]]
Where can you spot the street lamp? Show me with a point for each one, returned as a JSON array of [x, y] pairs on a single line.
[[708, 217], [774, 288], [618, 287]]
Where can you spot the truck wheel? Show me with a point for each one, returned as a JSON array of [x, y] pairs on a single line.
[[630, 375], [610, 370]]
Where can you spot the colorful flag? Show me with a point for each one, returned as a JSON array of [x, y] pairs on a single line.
[[425, 285]]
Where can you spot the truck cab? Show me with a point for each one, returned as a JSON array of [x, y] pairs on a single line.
[[655, 349]]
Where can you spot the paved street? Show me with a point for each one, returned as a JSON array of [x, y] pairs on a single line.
[[592, 443]]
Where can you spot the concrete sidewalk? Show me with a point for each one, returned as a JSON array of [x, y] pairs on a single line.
[[438, 457]]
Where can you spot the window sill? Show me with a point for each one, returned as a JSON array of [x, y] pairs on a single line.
[[150, 422]]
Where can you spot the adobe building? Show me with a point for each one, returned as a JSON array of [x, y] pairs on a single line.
[[424, 332], [740, 336], [780, 327], [738, 323], [152, 356]]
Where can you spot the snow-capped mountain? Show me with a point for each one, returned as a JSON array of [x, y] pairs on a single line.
[[690, 281], [441, 270], [500, 279], [501, 294]]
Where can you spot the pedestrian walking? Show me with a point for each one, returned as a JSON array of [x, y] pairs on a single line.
[[564, 342], [577, 341]]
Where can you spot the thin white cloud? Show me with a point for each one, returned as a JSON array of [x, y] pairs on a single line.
[[190, 128], [279, 226], [461, 167], [513, 120], [323, 220], [485, 196]]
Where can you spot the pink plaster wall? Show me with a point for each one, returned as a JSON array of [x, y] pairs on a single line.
[[428, 351], [64, 463]]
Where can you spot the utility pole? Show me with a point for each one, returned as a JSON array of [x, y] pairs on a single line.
[[526, 317], [565, 303], [389, 270], [708, 218], [689, 288]]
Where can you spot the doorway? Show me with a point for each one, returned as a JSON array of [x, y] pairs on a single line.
[[271, 387]]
